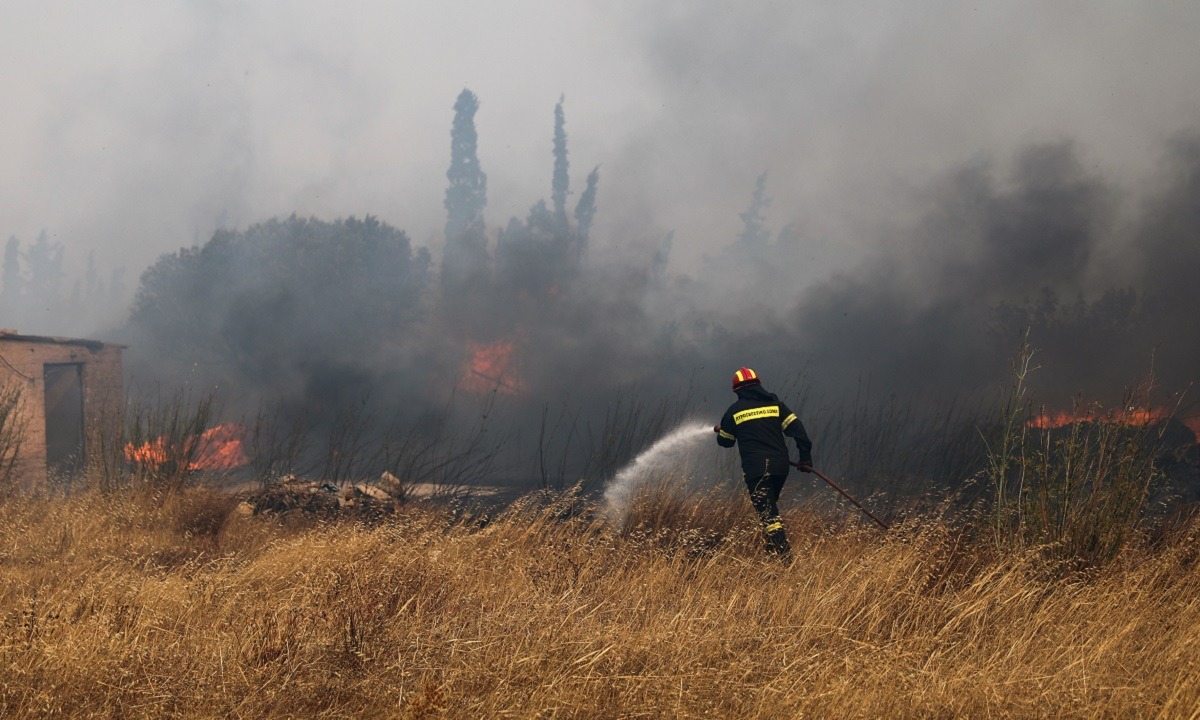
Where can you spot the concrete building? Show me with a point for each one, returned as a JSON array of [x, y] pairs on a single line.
[[68, 389]]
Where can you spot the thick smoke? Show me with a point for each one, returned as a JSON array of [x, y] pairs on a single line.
[[1041, 247], [553, 337], [842, 199], [923, 314]]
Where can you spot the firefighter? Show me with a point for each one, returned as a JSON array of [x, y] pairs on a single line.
[[758, 422]]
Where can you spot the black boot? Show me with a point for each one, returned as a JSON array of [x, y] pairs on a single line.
[[776, 537], [764, 495]]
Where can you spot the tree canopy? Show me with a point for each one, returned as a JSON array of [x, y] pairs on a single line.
[[285, 295]]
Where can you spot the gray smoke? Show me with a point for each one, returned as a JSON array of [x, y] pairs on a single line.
[[938, 177]]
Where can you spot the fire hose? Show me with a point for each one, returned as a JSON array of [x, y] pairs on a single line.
[[832, 484]]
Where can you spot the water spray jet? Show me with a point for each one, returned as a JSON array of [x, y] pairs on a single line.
[[672, 453]]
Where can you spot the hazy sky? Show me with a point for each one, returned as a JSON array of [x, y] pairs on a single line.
[[135, 128]]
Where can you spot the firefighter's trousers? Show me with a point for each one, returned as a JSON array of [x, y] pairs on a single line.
[[764, 494]]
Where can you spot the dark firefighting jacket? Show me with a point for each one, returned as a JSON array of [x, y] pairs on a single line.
[[758, 422]]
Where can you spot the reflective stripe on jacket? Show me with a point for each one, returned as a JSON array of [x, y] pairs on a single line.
[[758, 422]]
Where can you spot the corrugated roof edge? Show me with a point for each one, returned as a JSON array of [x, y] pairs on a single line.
[[92, 345]]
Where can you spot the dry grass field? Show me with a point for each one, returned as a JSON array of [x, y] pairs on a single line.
[[178, 606]]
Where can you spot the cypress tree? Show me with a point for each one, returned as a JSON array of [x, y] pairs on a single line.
[[560, 184], [466, 256]]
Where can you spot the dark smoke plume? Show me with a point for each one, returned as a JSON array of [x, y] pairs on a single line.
[[557, 340], [1038, 246]]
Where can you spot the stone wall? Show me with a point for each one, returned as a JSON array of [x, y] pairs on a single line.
[[22, 363]]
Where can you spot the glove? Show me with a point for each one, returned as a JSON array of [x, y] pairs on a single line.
[[804, 467]]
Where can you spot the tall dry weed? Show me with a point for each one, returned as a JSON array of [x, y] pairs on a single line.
[[111, 605], [12, 433], [1077, 492]]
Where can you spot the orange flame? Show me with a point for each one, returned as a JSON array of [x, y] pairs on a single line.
[[491, 367], [218, 448], [221, 448], [1134, 417]]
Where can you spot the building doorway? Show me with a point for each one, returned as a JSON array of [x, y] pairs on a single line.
[[64, 421]]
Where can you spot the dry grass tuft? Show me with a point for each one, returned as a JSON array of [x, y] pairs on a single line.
[[177, 606]]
